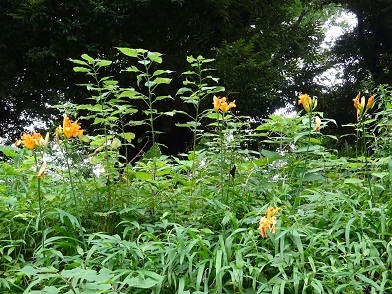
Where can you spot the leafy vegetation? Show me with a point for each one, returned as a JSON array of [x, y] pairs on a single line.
[[266, 52], [77, 217]]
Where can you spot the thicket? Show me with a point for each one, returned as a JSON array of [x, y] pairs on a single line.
[[292, 216]]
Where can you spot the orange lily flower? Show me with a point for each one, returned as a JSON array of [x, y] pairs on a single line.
[[370, 102], [359, 104], [268, 222], [308, 103], [217, 102], [221, 103], [30, 141], [70, 129]]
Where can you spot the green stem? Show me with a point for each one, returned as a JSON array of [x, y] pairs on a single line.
[[104, 115], [364, 153], [151, 122], [221, 151], [41, 222], [73, 189], [152, 132], [193, 179], [305, 159], [309, 132]]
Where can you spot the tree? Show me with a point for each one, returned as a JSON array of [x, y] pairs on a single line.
[[365, 55], [266, 50], [278, 59]]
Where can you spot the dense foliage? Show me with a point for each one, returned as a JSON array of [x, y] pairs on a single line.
[[38, 37], [74, 219], [266, 51]]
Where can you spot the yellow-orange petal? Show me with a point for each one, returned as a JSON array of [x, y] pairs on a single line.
[[216, 103], [263, 226], [305, 100], [370, 102], [357, 103], [66, 122], [226, 107]]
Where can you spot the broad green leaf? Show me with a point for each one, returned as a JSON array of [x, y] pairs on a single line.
[[310, 177], [110, 82], [8, 150], [190, 59], [169, 113], [208, 89], [352, 181], [128, 51], [88, 58], [163, 172], [29, 270], [149, 84], [162, 81], [205, 60], [213, 115], [115, 144], [379, 174], [262, 161], [130, 94], [93, 288], [98, 120], [140, 283], [46, 290], [190, 124], [132, 69], [143, 175], [155, 56], [161, 71], [163, 97], [102, 63], [308, 148], [49, 197], [270, 154], [129, 136], [144, 62], [183, 90], [81, 69], [189, 72], [77, 61]]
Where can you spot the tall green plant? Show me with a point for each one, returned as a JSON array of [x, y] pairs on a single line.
[[363, 121], [149, 79], [108, 111], [197, 87]]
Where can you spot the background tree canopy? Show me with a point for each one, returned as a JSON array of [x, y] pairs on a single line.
[[266, 51]]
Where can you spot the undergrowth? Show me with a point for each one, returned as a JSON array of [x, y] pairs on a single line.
[[77, 217]]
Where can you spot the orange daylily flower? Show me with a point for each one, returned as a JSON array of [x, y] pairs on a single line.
[[217, 102], [370, 102], [221, 103], [268, 222], [30, 141], [359, 104], [70, 129], [226, 107], [308, 103]]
